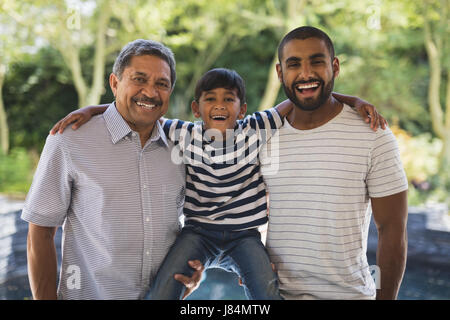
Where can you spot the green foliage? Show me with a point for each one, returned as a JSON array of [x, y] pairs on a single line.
[[420, 158], [252, 63], [380, 45], [418, 168], [37, 93], [437, 193], [15, 171]]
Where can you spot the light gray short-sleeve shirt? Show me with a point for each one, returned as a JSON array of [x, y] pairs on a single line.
[[119, 205], [320, 182]]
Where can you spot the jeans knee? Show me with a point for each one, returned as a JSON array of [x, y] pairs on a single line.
[[165, 287]]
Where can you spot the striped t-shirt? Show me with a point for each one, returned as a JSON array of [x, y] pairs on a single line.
[[320, 182], [224, 186]]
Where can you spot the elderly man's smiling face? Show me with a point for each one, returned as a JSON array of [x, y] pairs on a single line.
[[143, 92]]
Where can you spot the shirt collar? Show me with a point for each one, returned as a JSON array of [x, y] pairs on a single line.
[[158, 134], [207, 139], [119, 128]]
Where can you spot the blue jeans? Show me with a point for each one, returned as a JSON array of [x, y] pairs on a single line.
[[239, 251]]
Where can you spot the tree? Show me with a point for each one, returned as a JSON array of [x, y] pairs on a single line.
[[38, 91], [69, 29], [284, 19], [201, 32], [436, 19], [10, 48], [4, 130]]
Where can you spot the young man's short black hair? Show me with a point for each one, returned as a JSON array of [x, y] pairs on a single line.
[[306, 32], [220, 78]]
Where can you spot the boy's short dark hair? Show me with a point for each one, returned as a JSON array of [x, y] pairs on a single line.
[[306, 32], [220, 78]]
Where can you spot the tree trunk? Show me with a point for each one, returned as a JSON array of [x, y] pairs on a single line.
[[4, 130], [72, 59], [434, 56], [98, 86], [272, 87], [440, 120], [88, 95], [294, 9], [445, 154]]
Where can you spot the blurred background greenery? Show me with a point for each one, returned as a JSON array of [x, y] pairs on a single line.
[[56, 56]]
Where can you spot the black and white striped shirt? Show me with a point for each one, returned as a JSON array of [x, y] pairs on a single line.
[[224, 186]]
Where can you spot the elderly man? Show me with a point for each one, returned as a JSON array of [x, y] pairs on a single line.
[[112, 186]]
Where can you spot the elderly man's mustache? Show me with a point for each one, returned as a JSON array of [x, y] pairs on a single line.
[[148, 101]]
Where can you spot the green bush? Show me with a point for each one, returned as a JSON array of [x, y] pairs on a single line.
[[16, 171], [420, 157]]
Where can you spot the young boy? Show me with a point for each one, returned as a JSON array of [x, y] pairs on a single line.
[[225, 199]]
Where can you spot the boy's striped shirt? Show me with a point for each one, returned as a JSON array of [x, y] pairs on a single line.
[[224, 186]]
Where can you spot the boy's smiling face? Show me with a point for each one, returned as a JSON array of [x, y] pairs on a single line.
[[219, 109]]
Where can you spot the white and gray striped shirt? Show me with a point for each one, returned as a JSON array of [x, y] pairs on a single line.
[[120, 205], [319, 183]]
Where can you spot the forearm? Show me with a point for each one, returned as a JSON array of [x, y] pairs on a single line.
[[97, 109], [391, 259], [348, 100], [42, 266]]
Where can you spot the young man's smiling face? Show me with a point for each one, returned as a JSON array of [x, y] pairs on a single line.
[[307, 72], [219, 109], [143, 92]]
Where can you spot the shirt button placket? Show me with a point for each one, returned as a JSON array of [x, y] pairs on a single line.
[[145, 196]]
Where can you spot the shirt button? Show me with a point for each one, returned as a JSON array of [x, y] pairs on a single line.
[[147, 252], [144, 186], [147, 219]]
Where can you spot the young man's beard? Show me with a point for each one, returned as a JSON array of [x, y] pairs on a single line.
[[310, 104]]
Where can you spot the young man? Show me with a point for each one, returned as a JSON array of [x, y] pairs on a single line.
[[327, 168]]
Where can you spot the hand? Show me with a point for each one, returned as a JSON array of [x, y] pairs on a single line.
[[193, 282], [78, 118], [370, 115]]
